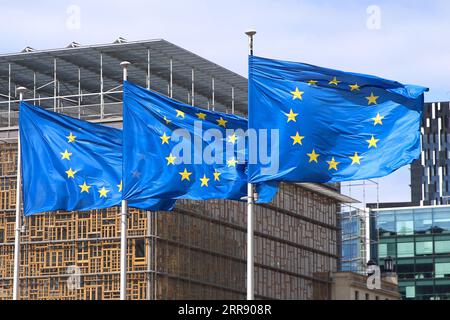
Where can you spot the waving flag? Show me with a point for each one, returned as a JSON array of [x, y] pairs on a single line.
[[70, 164], [175, 151], [333, 126]]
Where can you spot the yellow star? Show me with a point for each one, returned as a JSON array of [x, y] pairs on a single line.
[[232, 139], [71, 138], [65, 155], [298, 139], [217, 175], [313, 157], [313, 82], [84, 187], [103, 192], [120, 186], [180, 114], [333, 164], [378, 120], [70, 173], [356, 159], [354, 87], [222, 122], [171, 160], [204, 181], [292, 116], [165, 138], [185, 175], [334, 81], [167, 120], [297, 94], [373, 142], [372, 99], [232, 163], [201, 116]]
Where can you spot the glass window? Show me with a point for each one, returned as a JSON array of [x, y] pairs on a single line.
[[410, 292], [424, 247], [356, 295], [386, 250], [405, 250], [441, 220], [424, 268], [386, 224], [442, 270], [423, 222], [442, 246], [405, 222], [405, 228]]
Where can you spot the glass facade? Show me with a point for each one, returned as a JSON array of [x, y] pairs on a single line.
[[418, 239], [353, 234]]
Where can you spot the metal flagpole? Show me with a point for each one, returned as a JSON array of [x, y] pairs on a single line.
[[21, 91], [123, 224], [250, 216]]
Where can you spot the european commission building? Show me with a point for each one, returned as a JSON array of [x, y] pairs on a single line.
[[196, 252]]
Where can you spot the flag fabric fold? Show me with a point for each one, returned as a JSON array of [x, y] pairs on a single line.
[[173, 150], [333, 126], [70, 164]]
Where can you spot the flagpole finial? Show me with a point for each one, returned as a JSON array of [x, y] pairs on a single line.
[[125, 64], [250, 33], [21, 89]]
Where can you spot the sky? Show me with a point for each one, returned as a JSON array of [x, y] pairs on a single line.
[[407, 41]]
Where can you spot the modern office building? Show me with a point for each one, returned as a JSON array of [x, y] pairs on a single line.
[[355, 240], [418, 240], [430, 180], [196, 252]]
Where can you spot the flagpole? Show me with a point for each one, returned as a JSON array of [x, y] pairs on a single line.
[[123, 224], [250, 215], [21, 91]]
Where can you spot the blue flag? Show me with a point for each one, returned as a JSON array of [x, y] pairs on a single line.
[[175, 151], [329, 125], [70, 164]]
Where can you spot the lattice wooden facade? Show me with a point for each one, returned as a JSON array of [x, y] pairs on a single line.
[[196, 252]]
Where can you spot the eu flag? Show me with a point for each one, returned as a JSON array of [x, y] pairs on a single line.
[[70, 164], [175, 151], [331, 126]]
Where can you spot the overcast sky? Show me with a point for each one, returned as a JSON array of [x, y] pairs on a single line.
[[407, 41]]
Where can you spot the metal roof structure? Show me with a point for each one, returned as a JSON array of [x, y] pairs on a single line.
[[85, 81]]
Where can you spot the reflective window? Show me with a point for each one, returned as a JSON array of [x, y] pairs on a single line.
[[405, 223], [386, 224], [423, 222], [410, 292], [405, 250], [442, 247], [442, 270], [441, 221], [424, 247]]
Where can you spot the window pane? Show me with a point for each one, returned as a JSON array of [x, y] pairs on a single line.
[[405, 250], [410, 292], [405, 228], [441, 221], [386, 224], [442, 247], [423, 223], [442, 270], [424, 247]]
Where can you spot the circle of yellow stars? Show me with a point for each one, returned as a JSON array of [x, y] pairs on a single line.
[[186, 175], [297, 139], [84, 188]]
